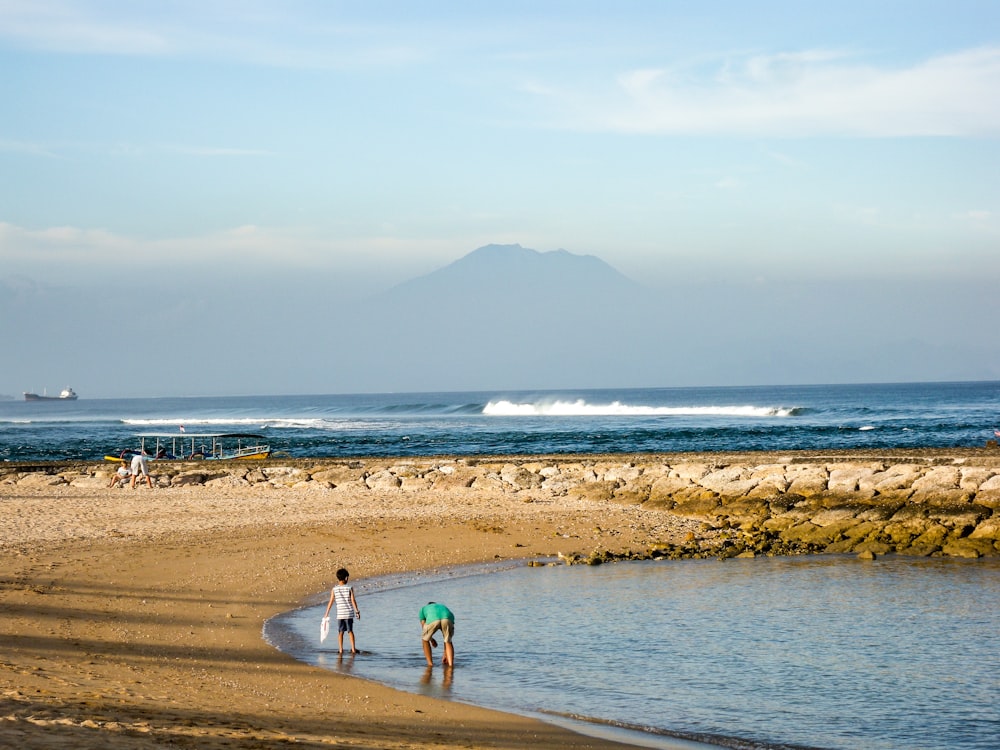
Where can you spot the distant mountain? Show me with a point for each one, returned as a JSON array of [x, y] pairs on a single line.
[[503, 315], [511, 270]]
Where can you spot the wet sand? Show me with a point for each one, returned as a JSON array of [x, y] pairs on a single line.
[[132, 618]]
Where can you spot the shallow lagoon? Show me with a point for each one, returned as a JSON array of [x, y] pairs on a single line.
[[822, 651]]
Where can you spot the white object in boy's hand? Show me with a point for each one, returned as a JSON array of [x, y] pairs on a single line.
[[324, 629]]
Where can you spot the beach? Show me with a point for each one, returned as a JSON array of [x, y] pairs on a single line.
[[132, 617]]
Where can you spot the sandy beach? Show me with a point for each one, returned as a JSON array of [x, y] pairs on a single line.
[[132, 617]]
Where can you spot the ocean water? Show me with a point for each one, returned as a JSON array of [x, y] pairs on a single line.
[[802, 652], [912, 415]]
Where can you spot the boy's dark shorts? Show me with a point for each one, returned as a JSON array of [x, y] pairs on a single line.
[[346, 625]]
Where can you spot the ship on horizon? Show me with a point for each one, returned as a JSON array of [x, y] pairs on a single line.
[[67, 394]]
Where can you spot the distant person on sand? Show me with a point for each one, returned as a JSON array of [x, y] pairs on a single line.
[[140, 465], [121, 476], [435, 617], [347, 609]]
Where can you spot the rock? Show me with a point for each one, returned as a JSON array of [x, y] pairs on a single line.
[[746, 511], [987, 529], [895, 479], [519, 478], [729, 482], [807, 481], [846, 479], [457, 477], [933, 536], [187, 478], [970, 548], [873, 547], [692, 472], [937, 482], [841, 546], [633, 494], [971, 478], [834, 516], [382, 480], [40, 479], [622, 474], [918, 550], [811, 534], [338, 475], [598, 491], [867, 554], [703, 507], [415, 484]]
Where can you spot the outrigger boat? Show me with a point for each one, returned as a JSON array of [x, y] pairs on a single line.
[[191, 446]]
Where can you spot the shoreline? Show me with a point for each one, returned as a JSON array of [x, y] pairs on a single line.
[[132, 618], [614, 730]]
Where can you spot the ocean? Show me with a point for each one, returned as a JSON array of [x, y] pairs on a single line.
[[880, 416], [820, 652]]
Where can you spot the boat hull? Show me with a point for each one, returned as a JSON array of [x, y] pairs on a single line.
[[248, 457], [181, 446]]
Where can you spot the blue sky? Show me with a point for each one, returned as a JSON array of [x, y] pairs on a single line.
[[366, 143]]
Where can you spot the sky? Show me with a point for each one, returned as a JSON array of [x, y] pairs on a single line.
[[285, 154]]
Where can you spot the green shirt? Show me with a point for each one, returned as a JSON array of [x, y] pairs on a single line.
[[434, 612]]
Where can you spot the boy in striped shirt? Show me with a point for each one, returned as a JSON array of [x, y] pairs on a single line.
[[347, 609]]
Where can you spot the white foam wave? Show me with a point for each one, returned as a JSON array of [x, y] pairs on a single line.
[[174, 421], [298, 424], [581, 408], [291, 423]]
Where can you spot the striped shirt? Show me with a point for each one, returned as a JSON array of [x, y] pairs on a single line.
[[342, 596]]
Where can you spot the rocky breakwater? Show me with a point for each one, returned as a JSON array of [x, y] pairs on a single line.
[[925, 504], [867, 505], [940, 503]]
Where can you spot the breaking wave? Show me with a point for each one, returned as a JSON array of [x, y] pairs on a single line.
[[581, 408], [175, 422]]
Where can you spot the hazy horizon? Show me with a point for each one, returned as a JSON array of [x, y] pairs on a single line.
[[208, 198]]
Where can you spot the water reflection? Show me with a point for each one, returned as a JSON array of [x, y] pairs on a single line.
[[768, 651]]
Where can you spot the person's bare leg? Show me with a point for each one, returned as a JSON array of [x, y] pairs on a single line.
[[449, 655], [340, 642], [354, 649], [427, 653]]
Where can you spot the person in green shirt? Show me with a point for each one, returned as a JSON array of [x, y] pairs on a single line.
[[435, 617]]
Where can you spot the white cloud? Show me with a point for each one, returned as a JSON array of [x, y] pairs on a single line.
[[68, 254], [24, 147], [802, 94], [67, 27], [976, 215], [259, 33], [70, 245], [216, 151]]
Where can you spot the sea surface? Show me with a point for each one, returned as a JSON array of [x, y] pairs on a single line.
[[765, 654], [912, 415]]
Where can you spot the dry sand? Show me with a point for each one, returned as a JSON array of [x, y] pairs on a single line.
[[132, 618]]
